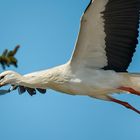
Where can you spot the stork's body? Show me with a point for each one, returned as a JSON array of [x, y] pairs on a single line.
[[83, 82], [103, 51]]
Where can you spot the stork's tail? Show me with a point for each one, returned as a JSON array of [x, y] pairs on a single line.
[[132, 83], [132, 86]]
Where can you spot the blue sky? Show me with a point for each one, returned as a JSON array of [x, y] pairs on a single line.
[[46, 31]]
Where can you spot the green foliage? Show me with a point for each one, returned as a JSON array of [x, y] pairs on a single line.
[[8, 58]]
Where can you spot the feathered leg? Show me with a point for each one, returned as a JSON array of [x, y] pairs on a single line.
[[130, 90], [125, 104]]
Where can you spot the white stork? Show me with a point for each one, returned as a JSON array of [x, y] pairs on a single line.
[[103, 51]]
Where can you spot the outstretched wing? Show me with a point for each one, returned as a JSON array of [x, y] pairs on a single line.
[[108, 35]]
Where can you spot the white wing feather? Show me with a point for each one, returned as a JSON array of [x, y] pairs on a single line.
[[90, 46]]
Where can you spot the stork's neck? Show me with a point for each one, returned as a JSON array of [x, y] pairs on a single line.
[[46, 78]]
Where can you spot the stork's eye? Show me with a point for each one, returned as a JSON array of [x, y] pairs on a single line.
[[1, 77]]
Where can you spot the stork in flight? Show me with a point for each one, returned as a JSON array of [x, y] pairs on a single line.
[[105, 46]]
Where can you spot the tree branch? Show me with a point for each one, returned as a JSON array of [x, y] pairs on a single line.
[[8, 58]]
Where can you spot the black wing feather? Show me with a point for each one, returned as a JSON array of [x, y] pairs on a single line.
[[121, 24], [88, 6]]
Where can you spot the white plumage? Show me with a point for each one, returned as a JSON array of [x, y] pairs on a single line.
[[95, 68]]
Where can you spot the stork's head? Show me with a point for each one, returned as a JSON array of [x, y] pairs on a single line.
[[9, 77]]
